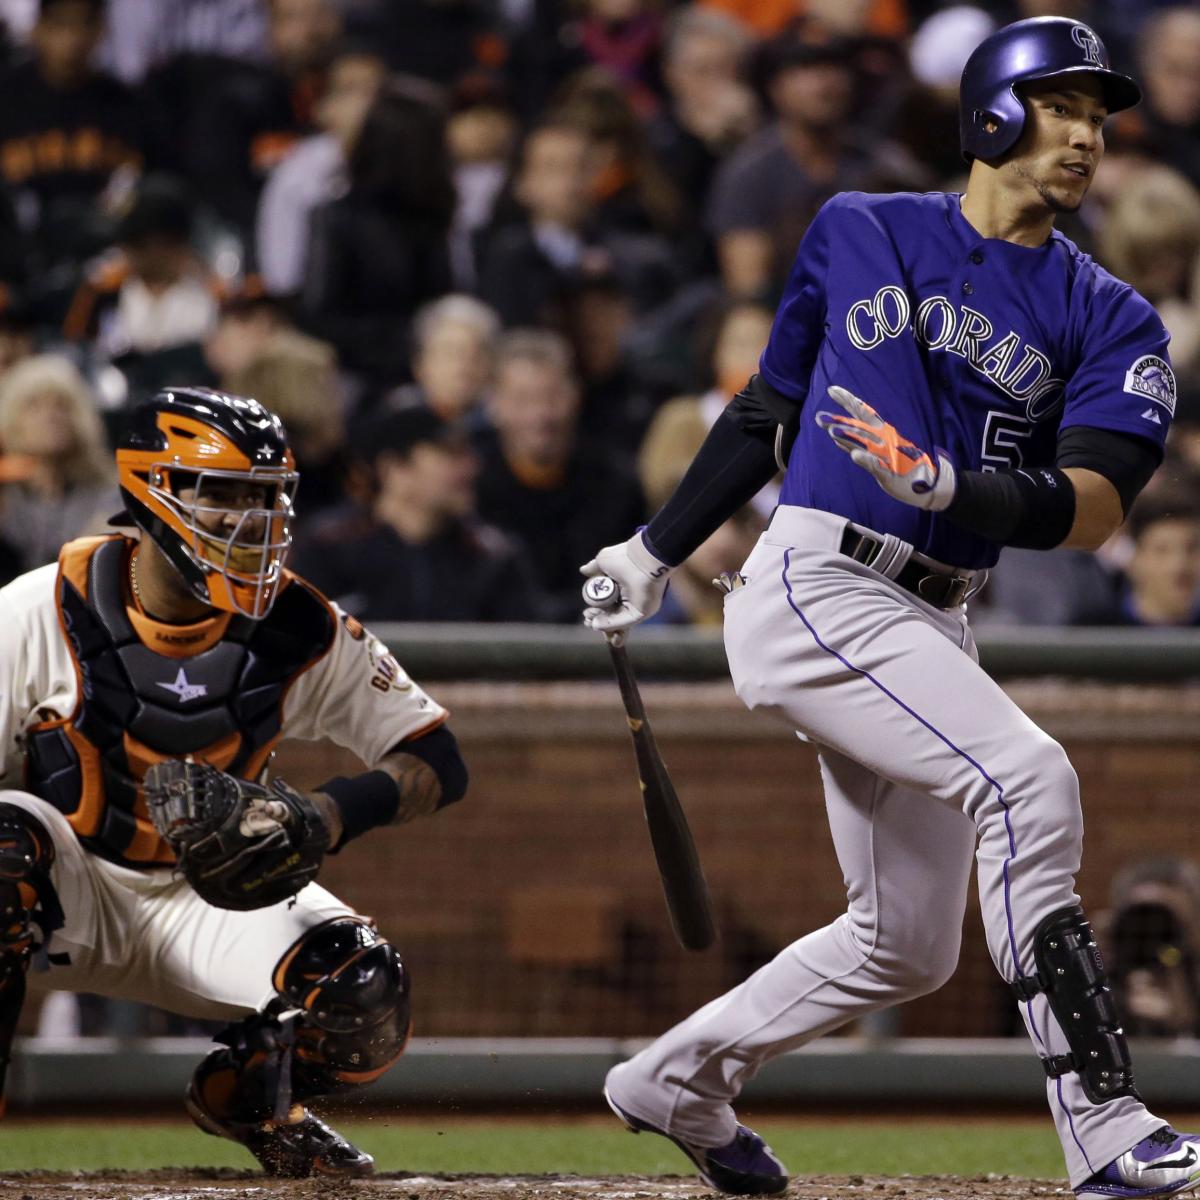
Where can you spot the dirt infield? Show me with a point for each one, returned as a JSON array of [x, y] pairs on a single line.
[[234, 1185]]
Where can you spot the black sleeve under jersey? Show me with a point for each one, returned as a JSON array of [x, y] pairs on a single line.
[[737, 459], [1125, 460]]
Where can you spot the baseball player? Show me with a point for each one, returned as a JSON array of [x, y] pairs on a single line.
[[957, 377], [144, 684]]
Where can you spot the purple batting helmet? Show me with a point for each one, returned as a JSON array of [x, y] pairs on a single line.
[[1018, 53]]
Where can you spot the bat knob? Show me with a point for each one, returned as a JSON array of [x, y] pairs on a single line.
[[601, 592]]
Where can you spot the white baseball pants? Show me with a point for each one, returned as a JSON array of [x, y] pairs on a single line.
[[924, 760], [145, 935]]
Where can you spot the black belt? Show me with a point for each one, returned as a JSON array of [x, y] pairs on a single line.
[[943, 587]]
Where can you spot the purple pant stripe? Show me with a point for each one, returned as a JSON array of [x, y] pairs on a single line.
[[1012, 843], [1063, 1105]]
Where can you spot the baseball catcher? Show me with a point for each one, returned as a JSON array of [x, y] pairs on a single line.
[[145, 680]]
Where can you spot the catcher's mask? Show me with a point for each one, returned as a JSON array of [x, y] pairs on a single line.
[[209, 477]]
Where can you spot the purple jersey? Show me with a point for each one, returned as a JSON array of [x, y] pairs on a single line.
[[977, 346]]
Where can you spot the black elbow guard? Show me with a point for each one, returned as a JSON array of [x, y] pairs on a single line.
[[768, 415], [439, 748]]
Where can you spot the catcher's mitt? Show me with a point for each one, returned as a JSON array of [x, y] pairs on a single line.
[[239, 844]]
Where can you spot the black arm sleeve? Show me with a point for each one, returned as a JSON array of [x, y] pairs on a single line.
[[765, 413], [732, 465], [1035, 508], [1125, 460], [439, 748]]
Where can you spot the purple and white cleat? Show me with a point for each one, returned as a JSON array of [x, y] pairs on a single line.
[[746, 1166], [1164, 1164]]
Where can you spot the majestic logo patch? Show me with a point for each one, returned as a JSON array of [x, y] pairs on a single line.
[[1151, 377], [1089, 43], [184, 690]]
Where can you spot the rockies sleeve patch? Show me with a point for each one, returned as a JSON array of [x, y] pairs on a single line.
[[1152, 378]]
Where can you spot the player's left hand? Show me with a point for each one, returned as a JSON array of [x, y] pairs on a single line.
[[903, 470], [239, 844]]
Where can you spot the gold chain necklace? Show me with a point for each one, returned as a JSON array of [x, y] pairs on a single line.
[[133, 580]]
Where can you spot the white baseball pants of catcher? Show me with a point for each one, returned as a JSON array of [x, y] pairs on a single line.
[[925, 761], [145, 935]]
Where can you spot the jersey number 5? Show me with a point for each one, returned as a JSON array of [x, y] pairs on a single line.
[[1003, 437]]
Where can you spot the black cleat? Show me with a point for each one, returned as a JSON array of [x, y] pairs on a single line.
[[294, 1149]]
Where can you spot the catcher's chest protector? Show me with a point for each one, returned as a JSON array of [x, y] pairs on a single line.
[[222, 705]]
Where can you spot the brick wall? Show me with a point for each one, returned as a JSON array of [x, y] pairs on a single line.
[[533, 907]]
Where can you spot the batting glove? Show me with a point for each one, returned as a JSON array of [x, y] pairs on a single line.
[[904, 471], [641, 580]]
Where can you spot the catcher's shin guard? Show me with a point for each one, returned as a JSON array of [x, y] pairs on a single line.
[[353, 989], [26, 898], [341, 1020], [1071, 973]]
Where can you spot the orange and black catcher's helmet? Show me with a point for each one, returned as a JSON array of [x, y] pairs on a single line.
[[209, 477]]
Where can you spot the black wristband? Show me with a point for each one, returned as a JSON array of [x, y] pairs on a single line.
[[364, 801], [1033, 509]]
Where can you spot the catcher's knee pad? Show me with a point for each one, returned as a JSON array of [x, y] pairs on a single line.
[[354, 991], [27, 897], [26, 894], [1071, 974]]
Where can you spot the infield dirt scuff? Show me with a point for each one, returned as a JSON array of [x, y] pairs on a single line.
[[235, 1185]]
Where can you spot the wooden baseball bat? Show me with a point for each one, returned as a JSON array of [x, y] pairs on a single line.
[[683, 883]]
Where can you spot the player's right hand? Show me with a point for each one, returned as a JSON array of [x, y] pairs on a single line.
[[640, 577]]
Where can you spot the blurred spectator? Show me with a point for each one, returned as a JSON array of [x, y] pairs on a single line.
[[17, 334], [1162, 576], [419, 554], [1047, 587], [693, 597], [624, 37], [381, 251], [152, 293], [19, 17], [601, 317], [1167, 123], [66, 130], [440, 40], [709, 108], [261, 110], [255, 351], [768, 191], [48, 415], [682, 424], [1151, 939], [453, 348], [528, 263], [538, 482], [927, 123], [482, 134], [1150, 238], [621, 37], [884, 18], [531, 265], [145, 33], [1151, 234], [315, 169], [632, 192]]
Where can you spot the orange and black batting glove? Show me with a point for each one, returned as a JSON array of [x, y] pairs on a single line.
[[903, 470]]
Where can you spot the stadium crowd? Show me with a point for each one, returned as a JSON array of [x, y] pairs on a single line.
[[499, 264]]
